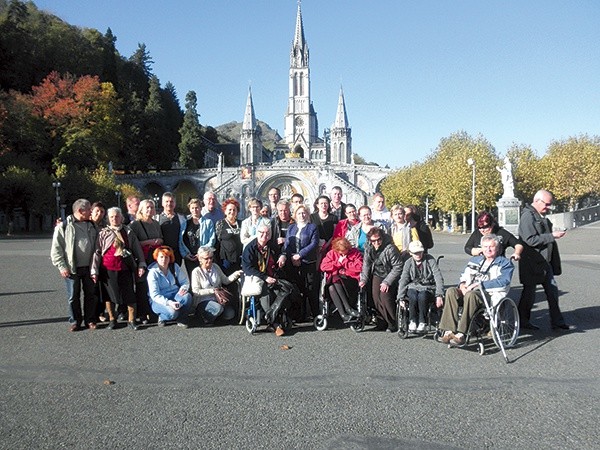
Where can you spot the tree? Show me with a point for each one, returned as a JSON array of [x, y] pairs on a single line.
[[572, 166], [155, 133], [527, 175], [451, 174], [191, 153]]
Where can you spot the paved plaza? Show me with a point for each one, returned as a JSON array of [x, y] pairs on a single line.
[[223, 388]]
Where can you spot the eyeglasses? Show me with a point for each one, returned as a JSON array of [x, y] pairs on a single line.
[[207, 258], [545, 203], [483, 227], [375, 240]]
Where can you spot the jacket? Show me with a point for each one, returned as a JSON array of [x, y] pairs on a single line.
[[202, 289], [62, 252], [106, 239], [351, 264], [250, 258], [540, 252], [205, 235], [163, 287], [507, 239], [431, 279], [309, 242], [495, 280], [385, 263]]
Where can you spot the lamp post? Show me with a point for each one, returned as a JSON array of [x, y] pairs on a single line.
[[56, 186], [471, 162], [118, 194]]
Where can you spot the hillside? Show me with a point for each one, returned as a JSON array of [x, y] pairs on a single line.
[[230, 132]]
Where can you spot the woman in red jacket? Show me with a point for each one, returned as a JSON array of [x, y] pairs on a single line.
[[342, 266]]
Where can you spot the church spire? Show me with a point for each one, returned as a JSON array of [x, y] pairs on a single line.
[[249, 117], [250, 141], [341, 135], [341, 118], [299, 54]]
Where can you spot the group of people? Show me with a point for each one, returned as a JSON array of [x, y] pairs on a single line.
[[141, 265]]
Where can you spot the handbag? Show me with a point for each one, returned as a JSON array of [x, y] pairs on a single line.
[[252, 286], [128, 259], [224, 296]]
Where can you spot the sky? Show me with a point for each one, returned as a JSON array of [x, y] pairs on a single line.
[[413, 72]]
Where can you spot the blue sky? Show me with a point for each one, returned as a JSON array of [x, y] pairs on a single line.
[[413, 72]]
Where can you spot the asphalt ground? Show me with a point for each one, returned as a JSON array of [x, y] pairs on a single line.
[[223, 388]]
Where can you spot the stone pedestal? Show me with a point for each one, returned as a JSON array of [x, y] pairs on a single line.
[[509, 213]]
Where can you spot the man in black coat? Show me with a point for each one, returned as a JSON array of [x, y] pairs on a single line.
[[540, 260]]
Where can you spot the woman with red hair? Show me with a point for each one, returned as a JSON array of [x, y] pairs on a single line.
[[342, 266], [168, 288], [486, 224]]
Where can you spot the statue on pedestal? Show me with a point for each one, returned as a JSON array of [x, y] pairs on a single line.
[[507, 179]]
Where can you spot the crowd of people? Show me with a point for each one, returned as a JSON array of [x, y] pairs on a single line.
[[141, 267]]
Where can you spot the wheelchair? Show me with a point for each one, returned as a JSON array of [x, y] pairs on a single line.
[[357, 324], [254, 316], [498, 319], [403, 313]]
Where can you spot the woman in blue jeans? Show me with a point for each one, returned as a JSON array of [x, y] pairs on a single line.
[[168, 288]]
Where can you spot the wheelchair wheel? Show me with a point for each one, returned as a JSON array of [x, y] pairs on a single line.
[[320, 322], [251, 325], [481, 349], [358, 326], [506, 318]]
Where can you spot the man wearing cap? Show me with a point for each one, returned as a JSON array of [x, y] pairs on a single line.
[[420, 282]]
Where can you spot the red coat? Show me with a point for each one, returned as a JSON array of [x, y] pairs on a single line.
[[350, 266]]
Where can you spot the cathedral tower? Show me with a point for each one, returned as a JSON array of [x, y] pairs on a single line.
[[341, 135], [250, 142], [301, 128]]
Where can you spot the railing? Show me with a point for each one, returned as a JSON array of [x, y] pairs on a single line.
[[573, 219]]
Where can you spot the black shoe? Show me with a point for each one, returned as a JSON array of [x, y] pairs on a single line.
[[134, 326], [112, 324], [346, 318], [530, 326], [121, 317], [562, 326], [354, 313]]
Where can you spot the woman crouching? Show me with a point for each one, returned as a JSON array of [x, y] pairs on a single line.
[[168, 288], [211, 298]]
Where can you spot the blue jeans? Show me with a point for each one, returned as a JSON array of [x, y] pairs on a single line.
[[166, 313], [74, 284], [418, 302], [211, 309]]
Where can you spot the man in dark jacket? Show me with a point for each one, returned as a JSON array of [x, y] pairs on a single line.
[[540, 260]]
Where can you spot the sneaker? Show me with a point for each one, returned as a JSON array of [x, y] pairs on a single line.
[[182, 323], [412, 326], [161, 323], [421, 328]]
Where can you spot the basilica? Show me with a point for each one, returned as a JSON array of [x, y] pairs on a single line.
[[301, 162]]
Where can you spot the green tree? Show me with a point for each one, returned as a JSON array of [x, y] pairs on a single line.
[[527, 175], [191, 153], [572, 166], [155, 132], [451, 175]]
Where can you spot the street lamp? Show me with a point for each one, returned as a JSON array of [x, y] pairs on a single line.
[[471, 162], [56, 186], [118, 194]]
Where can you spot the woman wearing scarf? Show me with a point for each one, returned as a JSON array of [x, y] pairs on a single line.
[[118, 245]]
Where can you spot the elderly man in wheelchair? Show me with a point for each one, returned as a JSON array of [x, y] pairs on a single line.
[[488, 272]]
